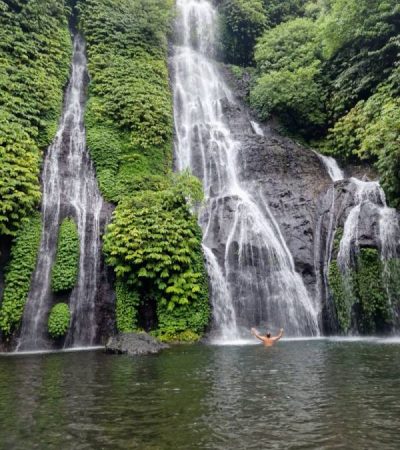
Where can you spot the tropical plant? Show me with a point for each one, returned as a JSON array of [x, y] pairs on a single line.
[[65, 269], [35, 49], [59, 320], [19, 273]]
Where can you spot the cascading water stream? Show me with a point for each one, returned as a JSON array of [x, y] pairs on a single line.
[[69, 190], [252, 274], [365, 194]]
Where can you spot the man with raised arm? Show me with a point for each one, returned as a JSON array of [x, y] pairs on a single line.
[[267, 340]]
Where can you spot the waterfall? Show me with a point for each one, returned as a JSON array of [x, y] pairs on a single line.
[[367, 221], [256, 128], [366, 192], [252, 273], [334, 171], [69, 190]]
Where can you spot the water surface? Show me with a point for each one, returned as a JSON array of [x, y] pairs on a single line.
[[297, 395]]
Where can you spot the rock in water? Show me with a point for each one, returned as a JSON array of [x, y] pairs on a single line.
[[134, 344]]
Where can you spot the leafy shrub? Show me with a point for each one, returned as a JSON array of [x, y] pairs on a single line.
[[127, 302], [154, 243], [129, 113], [340, 293], [243, 21], [363, 286], [278, 11], [288, 82], [35, 49], [59, 320], [128, 27], [186, 323], [354, 21], [19, 272], [371, 131], [65, 270], [134, 93], [375, 310], [19, 174]]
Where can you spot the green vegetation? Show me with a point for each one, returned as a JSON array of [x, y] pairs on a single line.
[[290, 82], [374, 303], [371, 131], [129, 113], [19, 273], [127, 303], [329, 71], [59, 320], [243, 22], [340, 292], [65, 270], [153, 242], [35, 49], [361, 297]]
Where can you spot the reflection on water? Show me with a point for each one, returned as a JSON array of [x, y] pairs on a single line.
[[298, 395]]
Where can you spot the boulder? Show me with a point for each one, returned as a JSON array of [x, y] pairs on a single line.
[[134, 344]]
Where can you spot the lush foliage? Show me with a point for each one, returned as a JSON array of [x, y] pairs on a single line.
[[340, 292], [154, 244], [329, 72], [368, 281], [59, 320], [35, 48], [19, 174], [290, 80], [65, 269], [361, 295], [19, 273], [243, 22], [127, 303], [129, 113], [371, 131]]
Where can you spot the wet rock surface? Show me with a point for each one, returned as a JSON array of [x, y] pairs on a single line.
[[134, 344], [290, 178]]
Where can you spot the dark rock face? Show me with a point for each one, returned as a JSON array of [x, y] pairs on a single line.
[[291, 179], [134, 344]]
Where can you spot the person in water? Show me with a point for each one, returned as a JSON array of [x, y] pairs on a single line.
[[267, 340]]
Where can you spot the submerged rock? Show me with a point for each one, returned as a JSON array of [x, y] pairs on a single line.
[[134, 344]]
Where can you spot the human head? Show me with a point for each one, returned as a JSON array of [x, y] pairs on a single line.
[[268, 335]]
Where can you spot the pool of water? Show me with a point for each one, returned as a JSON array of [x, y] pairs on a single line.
[[318, 394]]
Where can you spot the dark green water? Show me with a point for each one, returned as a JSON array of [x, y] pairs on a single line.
[[297, 395]]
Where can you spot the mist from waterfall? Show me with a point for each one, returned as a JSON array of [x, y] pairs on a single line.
[[69, 190], [252, 273]]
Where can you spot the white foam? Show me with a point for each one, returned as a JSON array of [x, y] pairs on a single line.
[[45, 352]]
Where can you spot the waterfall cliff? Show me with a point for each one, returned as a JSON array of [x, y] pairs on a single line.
[[69, 190], [250, 264]]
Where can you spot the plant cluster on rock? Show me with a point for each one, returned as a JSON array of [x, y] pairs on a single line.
[[19, 274], [59, 320], [66, 265], [360, 294]]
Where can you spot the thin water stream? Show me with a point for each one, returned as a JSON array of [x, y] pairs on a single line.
[[69, 190]]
